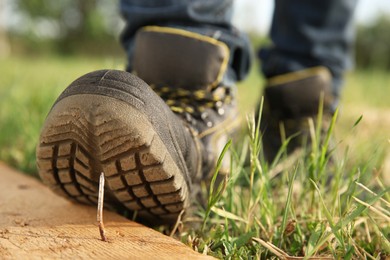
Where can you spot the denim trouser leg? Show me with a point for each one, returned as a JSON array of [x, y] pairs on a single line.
[[307, 33], [208, 17]]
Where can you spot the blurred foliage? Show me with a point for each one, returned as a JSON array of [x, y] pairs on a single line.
[[93, 26], [373, 44], [65, 26]]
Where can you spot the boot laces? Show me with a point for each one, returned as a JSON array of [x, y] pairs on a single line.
[[193, 105]]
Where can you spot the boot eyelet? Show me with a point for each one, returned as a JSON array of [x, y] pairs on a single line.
[[188, 117], [204, 115]]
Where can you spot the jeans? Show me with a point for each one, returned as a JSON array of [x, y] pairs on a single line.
[[305, 33]]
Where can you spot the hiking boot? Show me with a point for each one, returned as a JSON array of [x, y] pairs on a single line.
[[290, 102], [152, 151], [190, 72]]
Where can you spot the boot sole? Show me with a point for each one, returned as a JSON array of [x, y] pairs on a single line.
[[87, 134]]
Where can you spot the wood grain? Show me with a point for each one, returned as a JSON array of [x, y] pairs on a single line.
[[35, 223]]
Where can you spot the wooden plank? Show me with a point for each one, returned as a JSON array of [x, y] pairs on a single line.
[[36, 223]]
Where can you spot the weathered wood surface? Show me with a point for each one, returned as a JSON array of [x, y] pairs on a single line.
[[35, 223]]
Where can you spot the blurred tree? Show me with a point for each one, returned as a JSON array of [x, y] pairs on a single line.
[[4, 43], [68, 23], [373, 44]]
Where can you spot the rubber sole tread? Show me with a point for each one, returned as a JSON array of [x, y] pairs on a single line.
[[87, 134]]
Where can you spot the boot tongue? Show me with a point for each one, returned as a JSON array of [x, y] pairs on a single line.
[[179, 59]]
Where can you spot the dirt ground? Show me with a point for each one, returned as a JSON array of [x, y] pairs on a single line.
[[35, 223]]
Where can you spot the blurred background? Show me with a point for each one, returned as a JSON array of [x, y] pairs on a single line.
[[91, 27], [58, 27], [46, 44]]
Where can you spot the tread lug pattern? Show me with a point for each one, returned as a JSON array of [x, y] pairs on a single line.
[[77, 143]]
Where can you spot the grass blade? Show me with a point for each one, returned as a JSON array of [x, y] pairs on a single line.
[[287, 206], [214, 197]]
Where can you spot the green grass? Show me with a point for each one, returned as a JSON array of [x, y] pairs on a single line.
[[28, 88], [298, 211], [257, 212]]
